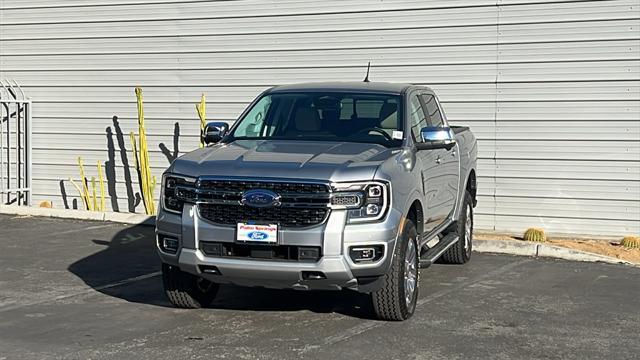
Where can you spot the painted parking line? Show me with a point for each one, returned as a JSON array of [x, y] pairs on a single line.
[[83, 292], [78, 230]]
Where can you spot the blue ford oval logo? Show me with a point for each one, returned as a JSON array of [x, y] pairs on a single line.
[[257, 235], [260, 198]]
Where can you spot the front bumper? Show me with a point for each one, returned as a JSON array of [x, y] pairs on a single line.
[[335, 237]]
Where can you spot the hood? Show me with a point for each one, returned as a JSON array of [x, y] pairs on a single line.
[[291, 159]]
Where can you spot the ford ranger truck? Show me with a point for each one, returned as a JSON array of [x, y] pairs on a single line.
[[321, 186]]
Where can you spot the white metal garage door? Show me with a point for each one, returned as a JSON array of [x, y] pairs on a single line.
[[551, 88]]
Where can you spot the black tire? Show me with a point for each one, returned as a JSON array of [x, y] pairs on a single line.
[[460, 252], [186, 290], [390, 301]]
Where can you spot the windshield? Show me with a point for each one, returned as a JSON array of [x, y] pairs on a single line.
[[351, 117]]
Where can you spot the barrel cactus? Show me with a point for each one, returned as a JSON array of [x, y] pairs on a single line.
[[631, 242], [535, 234]]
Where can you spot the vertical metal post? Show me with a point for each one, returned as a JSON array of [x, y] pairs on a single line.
[[2, 107], [20, 150], [9, 153], [28, 150], [19, 193]]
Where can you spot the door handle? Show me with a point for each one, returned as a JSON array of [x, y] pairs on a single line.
[[438, 160], [453, 153]]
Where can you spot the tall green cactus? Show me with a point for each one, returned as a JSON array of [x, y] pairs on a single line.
[[535, 234]]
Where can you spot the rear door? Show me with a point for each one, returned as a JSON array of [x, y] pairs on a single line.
[[445, 196]]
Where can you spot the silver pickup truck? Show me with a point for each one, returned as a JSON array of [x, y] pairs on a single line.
[[321, 186]]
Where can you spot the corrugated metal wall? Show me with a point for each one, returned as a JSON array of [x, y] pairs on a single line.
[[551, 88]]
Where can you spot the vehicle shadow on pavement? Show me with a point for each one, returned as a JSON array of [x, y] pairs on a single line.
[[126, 267], [349, 303], [119, 263]]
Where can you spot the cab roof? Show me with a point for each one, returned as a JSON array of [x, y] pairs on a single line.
[[347, 86]]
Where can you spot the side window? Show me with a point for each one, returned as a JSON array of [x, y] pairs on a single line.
[[252, 123], [431, 105], [418, 119]]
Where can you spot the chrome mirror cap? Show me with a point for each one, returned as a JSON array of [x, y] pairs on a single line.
[[437, 134], [436, 138], [214, 132]]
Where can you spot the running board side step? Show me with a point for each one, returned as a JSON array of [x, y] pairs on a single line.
[[433, 254]]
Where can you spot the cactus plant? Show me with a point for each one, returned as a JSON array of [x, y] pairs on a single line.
[[102, 206], [141, 159], [90, 198], [535, 234], [201, 108], [631, 242]]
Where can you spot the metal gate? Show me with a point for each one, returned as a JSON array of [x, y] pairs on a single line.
[[15, 144]]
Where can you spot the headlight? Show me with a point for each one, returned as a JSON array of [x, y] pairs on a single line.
[[364, 202], [176, 190]]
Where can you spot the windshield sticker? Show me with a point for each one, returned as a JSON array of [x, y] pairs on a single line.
[[397, 135]]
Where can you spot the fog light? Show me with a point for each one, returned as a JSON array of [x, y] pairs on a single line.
[[373, 209], [366, 253], [169, 244]]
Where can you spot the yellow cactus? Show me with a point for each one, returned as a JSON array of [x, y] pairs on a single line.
[[101, 179], [90, 199], [85, 188], [631, 242], [535, 234], [141, 159], [93, 188], [201, 108]]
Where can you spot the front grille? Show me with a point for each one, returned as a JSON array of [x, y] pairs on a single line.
[[302, 204], [283, 216], [282, 188]]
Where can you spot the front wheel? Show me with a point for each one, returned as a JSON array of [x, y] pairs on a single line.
[[396, 299], [186, 290]]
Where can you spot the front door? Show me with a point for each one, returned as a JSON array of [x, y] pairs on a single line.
[[430, 164], [448, 163]]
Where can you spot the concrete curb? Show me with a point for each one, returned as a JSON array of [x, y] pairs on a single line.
[[124, 218], [524, 248]]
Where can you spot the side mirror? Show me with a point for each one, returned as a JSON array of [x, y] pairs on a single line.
[[214, 132], [436, 138]]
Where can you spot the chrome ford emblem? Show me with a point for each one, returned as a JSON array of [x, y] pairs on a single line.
[[260, 198], [257, 235]]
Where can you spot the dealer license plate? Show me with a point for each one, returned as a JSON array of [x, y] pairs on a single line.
[[267, 234]]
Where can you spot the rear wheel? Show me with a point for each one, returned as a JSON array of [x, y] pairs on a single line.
[[396, 299], [186, 290], [460, 252]]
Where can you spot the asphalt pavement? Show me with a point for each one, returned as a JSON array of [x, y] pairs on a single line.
[[73, 289]]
